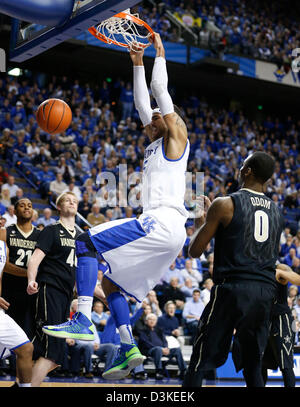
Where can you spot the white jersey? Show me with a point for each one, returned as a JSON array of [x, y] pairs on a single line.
[[2, 256], [138, 251], [164, 179], [11, 335]]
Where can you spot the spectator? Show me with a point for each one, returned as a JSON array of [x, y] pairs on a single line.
[[95, 217], [292, 294], [285, 247], [41, 157], [5, 198], [111, 338], [10, 216], [152, 342], [84, 206], [188, 288], [91, 193], [46, 175], [75, 189], [172, 292], [169, 323], [141, 322], [19, 149], [79, 172], [192, 312], [99, 317], [65, 169], [126, 99], [11, 186], [173, 272], [47, 218], [205, 293], [292, 260], [58, 186], [19, 195], [189, 272], [79, 349], [152, 300], [32, 149]]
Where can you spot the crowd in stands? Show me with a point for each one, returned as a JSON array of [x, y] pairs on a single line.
[[259, 29], [106, 136]]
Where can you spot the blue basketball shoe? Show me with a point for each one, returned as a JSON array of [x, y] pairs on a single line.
[[79, 327], [128, 358]]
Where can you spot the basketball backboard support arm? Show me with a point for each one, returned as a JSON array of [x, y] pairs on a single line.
[[90, 13]]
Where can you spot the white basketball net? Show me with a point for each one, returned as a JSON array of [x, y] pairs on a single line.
[[118, 29]]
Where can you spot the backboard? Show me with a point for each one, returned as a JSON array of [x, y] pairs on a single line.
[[31, 39]]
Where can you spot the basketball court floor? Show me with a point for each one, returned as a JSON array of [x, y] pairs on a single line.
[[151, 382]]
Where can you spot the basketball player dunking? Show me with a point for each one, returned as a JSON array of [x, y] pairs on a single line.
[[246, 226], [137, 250]]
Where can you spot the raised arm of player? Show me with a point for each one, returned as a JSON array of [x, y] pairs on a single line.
[[177, 131], [219, 212], [11, 268], [33, 265], [140, 90]]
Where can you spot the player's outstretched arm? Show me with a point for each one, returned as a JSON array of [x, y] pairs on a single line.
[[284, 275], [219, 212], [177, 131], [140, 89], [33, 265]]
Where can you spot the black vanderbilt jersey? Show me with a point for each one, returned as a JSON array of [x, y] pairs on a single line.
[[21, 246], [248, 247], [58, 266]]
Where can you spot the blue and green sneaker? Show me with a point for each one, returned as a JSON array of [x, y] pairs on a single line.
[[79, 327], [127, 359]]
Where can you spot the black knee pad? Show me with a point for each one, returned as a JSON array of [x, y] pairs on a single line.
[[84, 246]]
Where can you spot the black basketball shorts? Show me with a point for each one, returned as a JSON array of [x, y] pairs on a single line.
[[52, 308], [243, 307], [280, 348]]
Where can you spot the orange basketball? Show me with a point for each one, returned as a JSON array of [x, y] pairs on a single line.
[[54, 116]]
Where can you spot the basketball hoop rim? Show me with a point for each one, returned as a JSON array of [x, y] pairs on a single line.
[[136, 20]]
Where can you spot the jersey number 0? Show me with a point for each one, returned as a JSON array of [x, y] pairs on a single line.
[[261, 226]]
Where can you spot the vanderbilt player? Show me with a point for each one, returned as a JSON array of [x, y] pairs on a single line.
[[21, 240], [247, 226], [280, 348], [51, 274], [13, 339]]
